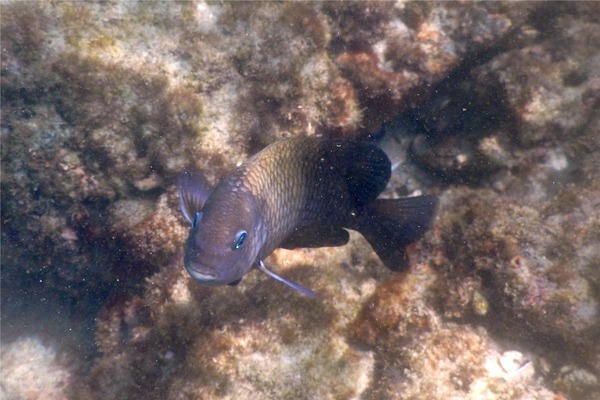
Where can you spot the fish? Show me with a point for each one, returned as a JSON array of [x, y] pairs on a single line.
[[299, 192]]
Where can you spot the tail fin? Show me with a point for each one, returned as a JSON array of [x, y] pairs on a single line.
[[389, 225]]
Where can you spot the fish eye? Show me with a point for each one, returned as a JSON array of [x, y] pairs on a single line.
[[240, 238], [197, 217]]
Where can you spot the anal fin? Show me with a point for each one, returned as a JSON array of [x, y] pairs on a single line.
[[316, 236]]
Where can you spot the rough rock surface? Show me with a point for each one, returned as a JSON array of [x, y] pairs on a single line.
[[494, 106]]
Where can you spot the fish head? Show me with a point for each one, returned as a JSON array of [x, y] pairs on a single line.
[[224, 241]]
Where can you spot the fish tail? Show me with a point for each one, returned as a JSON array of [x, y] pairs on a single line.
[[391, 224]]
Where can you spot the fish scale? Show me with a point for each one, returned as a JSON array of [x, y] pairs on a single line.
[[281, 180]]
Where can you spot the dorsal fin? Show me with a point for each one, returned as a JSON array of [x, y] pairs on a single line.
[[366, 168], [194, 190], [369, 172]]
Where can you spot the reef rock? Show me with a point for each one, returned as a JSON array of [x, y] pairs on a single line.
[[492, 106]]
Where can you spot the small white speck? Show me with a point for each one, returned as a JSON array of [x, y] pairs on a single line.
[[512, 361], [206, 16], [461, 159], [557, 160]]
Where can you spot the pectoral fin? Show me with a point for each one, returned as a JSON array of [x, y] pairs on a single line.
[[194, 190]]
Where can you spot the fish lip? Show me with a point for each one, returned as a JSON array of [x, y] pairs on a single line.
[[203, 277]]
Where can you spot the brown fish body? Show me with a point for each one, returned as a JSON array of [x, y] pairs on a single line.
[[302, 183], [298, 193]]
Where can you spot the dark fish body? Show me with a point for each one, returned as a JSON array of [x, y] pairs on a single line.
[[297, 193]]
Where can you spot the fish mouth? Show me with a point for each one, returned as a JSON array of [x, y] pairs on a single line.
[[194, 270], [204, 277], [198, 268]]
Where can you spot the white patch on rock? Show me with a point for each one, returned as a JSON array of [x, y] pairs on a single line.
[[31, 371]]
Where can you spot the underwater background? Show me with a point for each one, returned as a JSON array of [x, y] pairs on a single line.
[[492, 106]]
